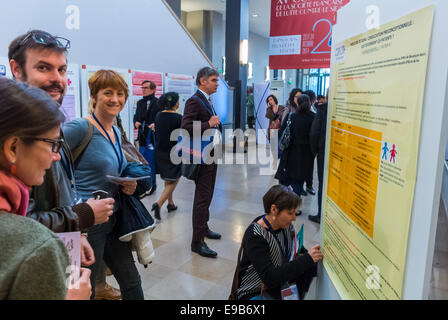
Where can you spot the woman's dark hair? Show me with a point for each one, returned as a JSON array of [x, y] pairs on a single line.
[[26, 111], [304, 103], [168, 100], [292, 94], [273, 97], [282, 197]]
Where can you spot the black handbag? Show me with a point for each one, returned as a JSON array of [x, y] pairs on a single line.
[[286, 135], [190, 171]]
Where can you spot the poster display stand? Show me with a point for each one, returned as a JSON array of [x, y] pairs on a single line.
[[386, 134], [184, 85]]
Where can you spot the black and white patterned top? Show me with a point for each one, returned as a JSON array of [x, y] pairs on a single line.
[[262, 261]]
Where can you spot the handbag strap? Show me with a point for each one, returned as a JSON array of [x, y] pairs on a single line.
[[236, 274], [84, 143]]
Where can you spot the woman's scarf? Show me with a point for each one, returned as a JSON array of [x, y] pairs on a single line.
[[14, 195]]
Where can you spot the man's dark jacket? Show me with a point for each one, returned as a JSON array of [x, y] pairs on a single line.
[[147, 109], [319, 130]]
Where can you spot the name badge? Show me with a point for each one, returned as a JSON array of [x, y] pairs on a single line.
[[290, 293]]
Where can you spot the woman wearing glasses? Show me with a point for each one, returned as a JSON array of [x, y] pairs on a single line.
[[272, 261], [104, 156], [33, 260]]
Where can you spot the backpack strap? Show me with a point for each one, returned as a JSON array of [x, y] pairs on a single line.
[[84, 143]]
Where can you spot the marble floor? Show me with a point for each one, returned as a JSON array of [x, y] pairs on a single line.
[[176, 273]]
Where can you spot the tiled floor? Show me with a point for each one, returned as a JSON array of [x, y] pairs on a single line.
[[177, 273]]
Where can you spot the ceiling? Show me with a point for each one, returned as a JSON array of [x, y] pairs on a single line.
[[259, 24]]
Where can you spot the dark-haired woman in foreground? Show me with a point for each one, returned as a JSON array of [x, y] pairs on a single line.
[[269, 258], [33, 261], [166, 122]]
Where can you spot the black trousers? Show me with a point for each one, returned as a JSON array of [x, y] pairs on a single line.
[[309, 182], [320, 177], [203, 194]]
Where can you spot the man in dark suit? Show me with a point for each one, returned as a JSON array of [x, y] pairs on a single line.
[[144, 117], [318, 135], [200, 108]]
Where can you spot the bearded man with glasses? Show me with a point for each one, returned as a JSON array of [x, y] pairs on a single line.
[[40, 59]]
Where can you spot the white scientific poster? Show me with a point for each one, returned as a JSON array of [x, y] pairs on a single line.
[[86, 72], [71, 105], [184, 85], [4, 68]]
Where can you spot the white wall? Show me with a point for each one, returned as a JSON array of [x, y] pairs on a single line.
[[136, 34], [259, 56]]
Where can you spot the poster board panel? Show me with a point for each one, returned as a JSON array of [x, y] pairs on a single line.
[[377, 91]]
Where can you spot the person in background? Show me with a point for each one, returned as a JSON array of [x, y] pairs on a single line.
[[269, 258], [250, 108], [309, 183], [199, 108], [166, 122], [104, 156], [318, 135], [297, 158], [320, 100], [291, 104], [33, 260], [144, 117], [40, 59], [274, 113]]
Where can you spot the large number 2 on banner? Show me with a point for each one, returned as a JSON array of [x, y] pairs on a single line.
[[314, 51]]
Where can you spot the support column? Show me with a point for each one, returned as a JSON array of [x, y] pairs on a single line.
[[175, 5], [237, 29]]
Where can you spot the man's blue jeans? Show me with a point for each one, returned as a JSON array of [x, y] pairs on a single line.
[[118, 257]]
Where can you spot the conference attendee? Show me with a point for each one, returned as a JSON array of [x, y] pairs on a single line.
[[104, 156], [250, 108], [318, 135], [166, 122], [40, 59], [269, 260], [297, 159], [274, 113], [320, 100], [34, 260], [291, 104], [199, 108], [144, 117], [309, 183]]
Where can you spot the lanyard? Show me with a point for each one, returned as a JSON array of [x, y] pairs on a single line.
[[118, 154], [211, 111], [284, 252]]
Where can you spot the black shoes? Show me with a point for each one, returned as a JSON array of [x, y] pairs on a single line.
[[201, 248], [171, 207], [311, 191], [212, 235], [315, 218], [156, 209], [298, 213]]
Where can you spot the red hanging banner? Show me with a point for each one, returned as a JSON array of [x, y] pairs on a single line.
[[301, 33]]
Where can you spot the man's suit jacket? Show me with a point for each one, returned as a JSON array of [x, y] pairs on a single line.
[[197, 109]]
